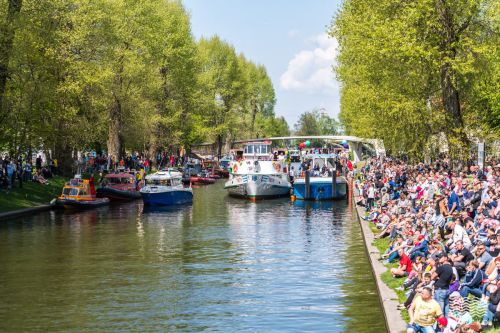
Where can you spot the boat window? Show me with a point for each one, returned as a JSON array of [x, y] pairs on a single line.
[[331, 162], [67, 191], [250, 149], [82, 191]]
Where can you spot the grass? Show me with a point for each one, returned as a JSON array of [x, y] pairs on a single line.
[[31, 195], [382, 244]]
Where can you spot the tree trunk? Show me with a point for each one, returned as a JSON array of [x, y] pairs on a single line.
[[229, 142], [254, 115], [7, 33], [219, 146], [115, 127]]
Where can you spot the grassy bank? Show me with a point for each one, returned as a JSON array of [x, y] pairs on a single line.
[[31, 195]]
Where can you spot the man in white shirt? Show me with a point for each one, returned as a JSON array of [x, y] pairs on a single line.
[[459, 234]]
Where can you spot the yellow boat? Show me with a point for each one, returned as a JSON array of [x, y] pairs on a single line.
[[79, 193]]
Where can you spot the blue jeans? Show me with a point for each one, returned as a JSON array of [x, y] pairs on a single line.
[[414, 255], [465, 291], [488, 316], [423, 329], [441, 296], [393, 256]]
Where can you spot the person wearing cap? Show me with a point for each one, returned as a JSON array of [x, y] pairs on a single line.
[[423, 312]]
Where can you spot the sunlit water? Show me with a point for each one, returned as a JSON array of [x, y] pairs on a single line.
[[222, 264]]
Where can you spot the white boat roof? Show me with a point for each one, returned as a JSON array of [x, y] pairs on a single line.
[[162, 175]]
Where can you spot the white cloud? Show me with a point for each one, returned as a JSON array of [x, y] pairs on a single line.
[[311, 70]]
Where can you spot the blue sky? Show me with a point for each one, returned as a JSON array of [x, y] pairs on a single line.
[[286, 36]]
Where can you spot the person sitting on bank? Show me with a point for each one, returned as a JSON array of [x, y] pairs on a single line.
[[423, 313], [38, 178], [404, 267], [473, 280]]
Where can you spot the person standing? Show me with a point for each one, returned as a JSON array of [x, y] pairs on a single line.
[[443, 276], [423, 312], [38, 163]]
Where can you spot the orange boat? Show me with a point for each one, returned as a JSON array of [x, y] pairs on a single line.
[[80, 193]]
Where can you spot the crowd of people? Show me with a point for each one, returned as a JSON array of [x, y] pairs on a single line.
[[443, 228], [16, 171]]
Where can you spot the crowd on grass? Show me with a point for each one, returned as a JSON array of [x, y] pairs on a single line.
[[443, 228], [16, 171]]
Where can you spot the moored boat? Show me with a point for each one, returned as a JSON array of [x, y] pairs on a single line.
[[321, 181], [257, 176], [79, 193], [201, 180], [119, 187], [164, 188]]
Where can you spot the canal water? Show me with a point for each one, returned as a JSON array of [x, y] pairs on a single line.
[[220, 265]]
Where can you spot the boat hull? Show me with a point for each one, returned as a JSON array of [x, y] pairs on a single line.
[[202, 180], [255, 187], [167, 198], [320, 189], [117, 195], [82, 204]]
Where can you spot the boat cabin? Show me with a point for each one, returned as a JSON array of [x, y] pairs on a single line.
[[164, 179], [121, 178], [260, 151], [77, 189]]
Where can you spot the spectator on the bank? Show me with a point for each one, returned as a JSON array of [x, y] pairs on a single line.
[[38, 178], [461, 257], [405, 265], [493, 301], [11, 173], [459, 234], [28, 169], [483, 257], [443, 276], [38, 162], [472, 280], [423, 312]]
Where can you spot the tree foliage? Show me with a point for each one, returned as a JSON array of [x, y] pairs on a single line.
[[316, 122], [413, 69], [122, 75]]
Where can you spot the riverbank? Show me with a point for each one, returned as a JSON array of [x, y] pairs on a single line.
[[389, 297], [31, 195]]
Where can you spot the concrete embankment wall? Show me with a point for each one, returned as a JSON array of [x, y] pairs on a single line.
[[388, 297]]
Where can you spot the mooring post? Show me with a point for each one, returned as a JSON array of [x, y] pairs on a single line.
[[334, 184], [308, 185]]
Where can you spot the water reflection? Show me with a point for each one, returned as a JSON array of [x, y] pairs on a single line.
[[221, 264]]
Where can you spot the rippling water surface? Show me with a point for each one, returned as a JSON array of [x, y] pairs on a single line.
[[222, 264]]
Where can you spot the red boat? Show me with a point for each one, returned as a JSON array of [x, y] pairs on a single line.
[[119, 187], [198, 180]]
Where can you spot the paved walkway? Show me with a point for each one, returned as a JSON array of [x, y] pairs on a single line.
[[23, 212]]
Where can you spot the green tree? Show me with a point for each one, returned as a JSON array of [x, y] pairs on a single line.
[[410, 70], [316, 122]]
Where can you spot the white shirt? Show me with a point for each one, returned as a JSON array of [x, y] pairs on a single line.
[[459, 233]]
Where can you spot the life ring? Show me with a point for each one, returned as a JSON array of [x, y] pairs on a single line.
[[278, 167], [235, 167]]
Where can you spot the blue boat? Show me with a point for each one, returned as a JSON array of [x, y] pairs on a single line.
[[322, 181], [164, 188]]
